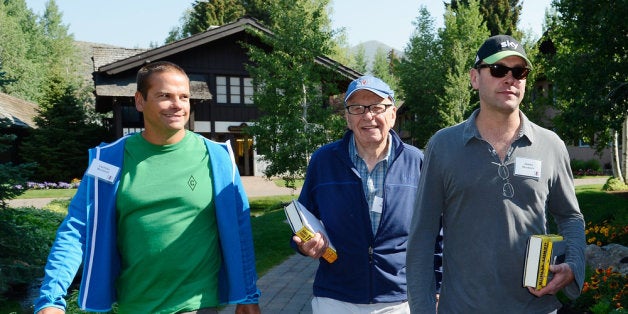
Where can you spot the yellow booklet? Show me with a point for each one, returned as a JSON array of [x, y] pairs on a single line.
[[543, 250], [305, 225]]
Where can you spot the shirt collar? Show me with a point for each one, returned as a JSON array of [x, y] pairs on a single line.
[[353, 151], [471, 129]]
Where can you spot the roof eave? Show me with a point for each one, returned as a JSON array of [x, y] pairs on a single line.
[[181, 45]]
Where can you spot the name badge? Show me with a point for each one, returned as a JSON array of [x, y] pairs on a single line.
[[102, 170], [527, 167], [378, 203]]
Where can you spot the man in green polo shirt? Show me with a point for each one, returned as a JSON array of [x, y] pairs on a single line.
[[160, 221]]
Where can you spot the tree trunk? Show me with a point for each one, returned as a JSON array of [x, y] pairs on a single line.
[[615, 163], [623, 169]]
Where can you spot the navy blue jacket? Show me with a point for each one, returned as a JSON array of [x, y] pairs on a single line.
[[371, 268]]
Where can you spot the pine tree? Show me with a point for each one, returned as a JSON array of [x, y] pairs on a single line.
[[421, 79], [360, 63], [500, 16], [63, 135], [464, 32], [13, 177], [205, 14]]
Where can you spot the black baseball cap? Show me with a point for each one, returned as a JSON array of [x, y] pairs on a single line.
[[498, 47]]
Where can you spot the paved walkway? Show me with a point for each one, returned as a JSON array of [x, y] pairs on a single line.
[[286, 288]]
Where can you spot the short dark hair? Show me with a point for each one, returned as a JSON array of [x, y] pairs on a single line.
[[144, 73]]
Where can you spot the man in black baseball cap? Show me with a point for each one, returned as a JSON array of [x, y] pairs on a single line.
[[494, 179]]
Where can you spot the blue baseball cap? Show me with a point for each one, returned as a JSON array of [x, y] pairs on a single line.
[[372, 84]]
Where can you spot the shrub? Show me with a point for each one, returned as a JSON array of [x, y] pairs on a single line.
[[26, 235], [591, 167], [614, 184]]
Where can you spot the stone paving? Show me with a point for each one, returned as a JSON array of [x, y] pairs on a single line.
[[287, 287]]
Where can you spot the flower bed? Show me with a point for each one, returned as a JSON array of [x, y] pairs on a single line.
[[50, 185]]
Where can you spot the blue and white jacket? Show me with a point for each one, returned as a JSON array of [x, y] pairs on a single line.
[[371, 268], [88, 236]]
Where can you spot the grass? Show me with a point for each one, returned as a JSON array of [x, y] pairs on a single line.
[[598, 206], [48, 193]]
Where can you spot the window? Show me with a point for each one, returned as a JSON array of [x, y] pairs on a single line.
[[248, 91], [234, 90]]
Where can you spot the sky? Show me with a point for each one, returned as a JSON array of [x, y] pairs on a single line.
[[138, 23]]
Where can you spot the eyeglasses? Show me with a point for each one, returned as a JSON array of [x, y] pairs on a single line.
[[361, 109], [499, 70], [507, 189]]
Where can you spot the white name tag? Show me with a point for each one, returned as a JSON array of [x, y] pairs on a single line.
[[378, 203], [102, 170], [528, 167]]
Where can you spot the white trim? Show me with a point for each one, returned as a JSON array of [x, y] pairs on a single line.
[[234, 166], [93, 238], [221, 126], [202, 126]]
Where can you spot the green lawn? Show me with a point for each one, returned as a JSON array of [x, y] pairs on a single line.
[[48, 193]]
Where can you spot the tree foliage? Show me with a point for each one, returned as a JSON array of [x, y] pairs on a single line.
[[63, 135], [359, 62], [34, 48], [421, 78], [4, 80], [590, 69], [383, 68], [434, 74], [205, 14], [291, 87], [12, 176], [39, 58], [501, 16], [22, 51], [464, 32]]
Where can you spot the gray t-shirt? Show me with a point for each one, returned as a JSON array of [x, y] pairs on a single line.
[[488, 215]]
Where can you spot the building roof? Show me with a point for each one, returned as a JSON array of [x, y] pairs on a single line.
[[20, 112], [114, 60]]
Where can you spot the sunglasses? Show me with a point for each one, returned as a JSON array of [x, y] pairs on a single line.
[[498, 70]]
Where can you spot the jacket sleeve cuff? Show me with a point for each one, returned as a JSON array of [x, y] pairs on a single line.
[[252, 298]]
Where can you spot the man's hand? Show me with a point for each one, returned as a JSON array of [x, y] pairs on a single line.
[[247, 309], [51, 310], [314, 248], [563, 276]]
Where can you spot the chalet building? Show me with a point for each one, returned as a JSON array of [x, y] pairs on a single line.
[[221, 88], [19, 113]]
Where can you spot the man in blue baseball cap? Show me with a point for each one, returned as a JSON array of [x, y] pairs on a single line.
[[363, 188]]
